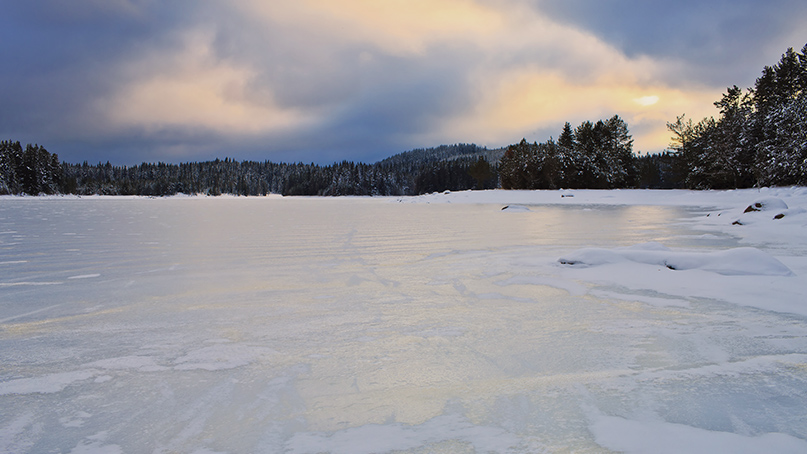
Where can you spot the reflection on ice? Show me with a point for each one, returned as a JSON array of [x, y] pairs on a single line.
[[271, 325]]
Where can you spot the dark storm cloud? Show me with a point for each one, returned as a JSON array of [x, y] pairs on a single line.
[[399, 99], [375, 101], [59, 57], [404, 97], [67, 57], [717, 42]]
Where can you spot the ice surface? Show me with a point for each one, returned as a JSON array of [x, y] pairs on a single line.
[[439, 323], [639, 437], [51, 383]]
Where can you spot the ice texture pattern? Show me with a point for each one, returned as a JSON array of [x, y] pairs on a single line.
[[572, 321]]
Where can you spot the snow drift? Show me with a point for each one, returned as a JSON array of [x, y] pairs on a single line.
[[738, 261]]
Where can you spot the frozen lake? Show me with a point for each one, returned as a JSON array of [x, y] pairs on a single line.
[[439, 324]]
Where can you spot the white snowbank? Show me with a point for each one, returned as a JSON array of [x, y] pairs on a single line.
[[796, 196], [766, 209], [770, 225], [780, 220], [767, 204], [739, 261]]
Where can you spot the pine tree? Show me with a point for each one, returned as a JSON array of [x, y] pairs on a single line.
[[619, 158], [566, 138], [481, 171], [10, 162]]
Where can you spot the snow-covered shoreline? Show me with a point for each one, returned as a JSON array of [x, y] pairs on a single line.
[[659, 197], [662, 197]]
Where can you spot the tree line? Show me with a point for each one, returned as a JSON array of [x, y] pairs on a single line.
[[593, 155], [759, 138], [33, 170], [29, 170], [571, 162]]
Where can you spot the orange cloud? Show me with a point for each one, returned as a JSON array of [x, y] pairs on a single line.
[[394, 26], [525, 101], [530, 74], [194, 89]]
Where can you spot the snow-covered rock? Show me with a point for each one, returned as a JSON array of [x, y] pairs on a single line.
[[767, 208], [515, 208], [766, 204]]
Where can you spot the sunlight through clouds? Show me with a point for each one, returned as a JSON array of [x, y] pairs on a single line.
[[522, 73], [646, 100], [573, 77], [318, 80], [527, 73], [193, 88], [522, 102]]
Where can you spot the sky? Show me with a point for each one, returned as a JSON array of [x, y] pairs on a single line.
[[131, 81]]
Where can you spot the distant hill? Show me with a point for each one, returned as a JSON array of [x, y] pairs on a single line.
[[411, 161]]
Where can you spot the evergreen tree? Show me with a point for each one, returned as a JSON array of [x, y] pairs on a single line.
[[31, 170], [11, 157], [566, 138], [758, 137], [618, 151], [783, 157], [481, 171], [518, 166], [588, 153]]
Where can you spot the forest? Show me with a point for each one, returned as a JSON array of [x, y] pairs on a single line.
[[758, 139], [33, 170]]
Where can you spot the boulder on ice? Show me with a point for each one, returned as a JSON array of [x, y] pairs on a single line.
[[765, 205]]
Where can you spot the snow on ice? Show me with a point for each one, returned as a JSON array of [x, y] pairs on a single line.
[[481, 321], [737, 261]]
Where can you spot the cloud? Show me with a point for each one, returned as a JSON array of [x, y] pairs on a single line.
[[551, 73], [718, 42], [62, 57], [394, 27], [532, 103], [191, 86], [268, 72], [317, 80]]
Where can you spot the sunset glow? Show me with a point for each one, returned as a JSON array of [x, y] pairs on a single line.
[[646, 100], [316, 80]]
